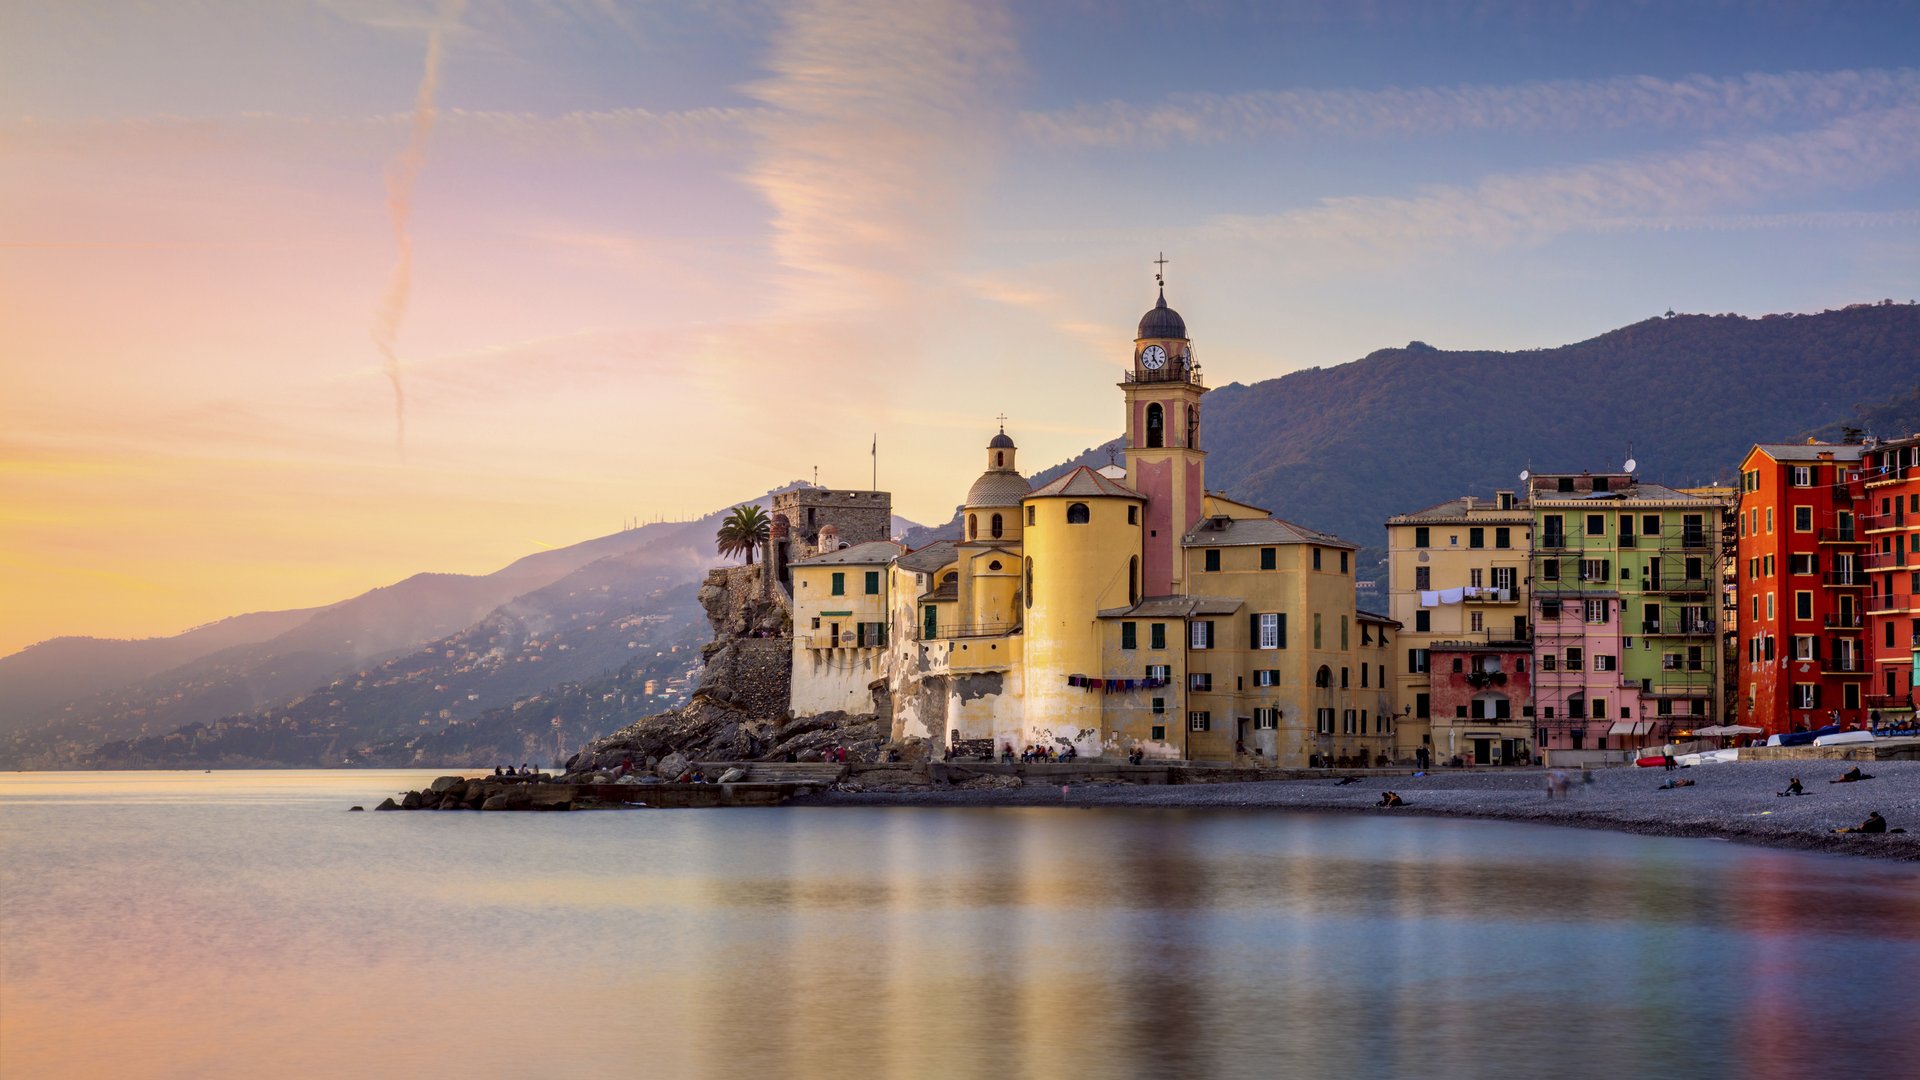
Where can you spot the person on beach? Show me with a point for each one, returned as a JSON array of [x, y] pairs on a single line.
[[1794, 788], [1874, 824], [1671, 784], [1852, 776], [1667, 759], [1391, 798], [1557, 784]]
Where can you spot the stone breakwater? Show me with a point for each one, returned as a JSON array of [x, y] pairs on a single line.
[[1736, 801]]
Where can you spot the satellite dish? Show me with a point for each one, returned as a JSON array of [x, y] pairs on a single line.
[[1632, 464], [1524, 474]]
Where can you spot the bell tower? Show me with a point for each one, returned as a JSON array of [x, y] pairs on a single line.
[[1164, 459]]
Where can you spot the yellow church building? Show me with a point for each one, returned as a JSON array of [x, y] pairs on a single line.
[[1111, 609]]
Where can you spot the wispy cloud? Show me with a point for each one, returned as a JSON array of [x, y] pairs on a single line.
[[1698, 103], [1717, 178], [877, 124]]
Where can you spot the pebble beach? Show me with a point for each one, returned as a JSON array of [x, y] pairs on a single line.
[[1735, 801]]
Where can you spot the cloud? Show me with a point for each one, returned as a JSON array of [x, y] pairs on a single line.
[[1697, 103], [877, 131], [1654, 191]]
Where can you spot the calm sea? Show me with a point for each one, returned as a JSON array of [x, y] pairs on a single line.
[[244, 924]]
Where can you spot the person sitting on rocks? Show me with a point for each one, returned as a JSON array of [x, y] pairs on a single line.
[[497, 771], [1391, 798], [1794, 788], [1851, 776], [685, 777], [1874, 824], [1671, 784], [1345, 780], [697, 777]]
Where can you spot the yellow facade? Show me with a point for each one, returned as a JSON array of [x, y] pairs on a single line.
[[842, 608], [1119, 611]]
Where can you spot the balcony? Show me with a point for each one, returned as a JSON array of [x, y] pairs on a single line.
[[1887, 474], [1887, 701], [1839, 536], [1882, 560], [1843, 665], [1554, 541], [1678, 628], [847, 640], [1846, 579], [1490, 596], [1846, 620], [1886, 605], [1675, 585], [1176, 371], [1881, 522], [974, 630]]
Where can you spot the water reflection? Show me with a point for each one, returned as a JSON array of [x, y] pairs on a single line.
[[187, 936]]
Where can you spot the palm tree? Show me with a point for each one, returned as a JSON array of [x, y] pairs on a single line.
[[742, 531]]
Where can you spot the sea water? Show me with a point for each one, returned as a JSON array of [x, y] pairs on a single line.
[[238, 924]]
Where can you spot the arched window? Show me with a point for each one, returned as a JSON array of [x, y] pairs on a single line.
[[997, 526], [1029, 586], [1078, 514], [1133, 580], [973, 526], [994, 565], [1156, 425], [1324, 677], [1193, 426], [999, 459]]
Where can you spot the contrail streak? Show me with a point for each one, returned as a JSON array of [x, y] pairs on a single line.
[[402, 171]]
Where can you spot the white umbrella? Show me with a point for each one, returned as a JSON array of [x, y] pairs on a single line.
[[1739, 729]]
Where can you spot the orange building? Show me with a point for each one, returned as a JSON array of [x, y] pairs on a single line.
[[1890, 523], [1801, 587]]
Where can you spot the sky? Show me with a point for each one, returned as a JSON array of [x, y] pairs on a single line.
[[297, 299]]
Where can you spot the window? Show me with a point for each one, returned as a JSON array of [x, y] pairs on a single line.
[[1504, 578], [1323, 678], [1030, 511], [1029, 589], [1159, 730], [1363, 677], [1316, 558], [873, 583], [1347, 720], [1078, 514], [1803, 647], [1266, 719], [1156, 425], [998, 527], [1474, 577], [1157, 636], [1596, 524], [1502, 537], [1806, 695], [1476, 622], [1200, 634], [1596, 569], [1550, 570], [1769, 605], [1212, 557], [1346, 678], [1267, 631], [1422, 537], [1163, 672], [1199, 680], [1343, 562], [1803, 519], [1563, 483], [1422, 707], [1476, 537], [1344, 638], [1769, 519], [1266, 677], [1575, 659], [1198, 721], [1416, 661], [1133, 516], [1802, 476], [1129, 635], [1597, 610], [1323, 721], [1603, 662], [1316, 630], [839, 583], [1269, 558], [1159, 709], [1766, 565], [1549, 609], [1423, 578], [1802, 564], [1803, 605]]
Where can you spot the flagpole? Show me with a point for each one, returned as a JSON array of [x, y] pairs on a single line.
[[876, 462]]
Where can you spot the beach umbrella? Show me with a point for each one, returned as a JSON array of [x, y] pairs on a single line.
[[1739, 729]]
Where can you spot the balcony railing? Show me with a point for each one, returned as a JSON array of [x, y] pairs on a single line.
[[1840, 536], [1675, 585], [1877, 522], [1849, 579], [1886, 474], [1844, 621], [1882, 560], [1887, 701], [1679, 628], [847, 640], [1887, 604], [1844, 664], [1491, 596], [973, 630], [1176, 371]]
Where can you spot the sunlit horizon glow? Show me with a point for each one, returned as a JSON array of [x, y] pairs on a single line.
[[666, 257]]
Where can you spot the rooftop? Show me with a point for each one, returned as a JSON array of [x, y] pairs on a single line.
[[1810, 451], [1262, 532], [931, 557], [1084, 482], [871, 553], [1466, 508], [1175, 607]]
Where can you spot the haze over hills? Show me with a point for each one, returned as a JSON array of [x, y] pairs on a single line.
[[242, 666]]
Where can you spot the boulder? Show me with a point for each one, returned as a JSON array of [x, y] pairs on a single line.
[[410, 801], [495, 802], [388, 804], [351, 809], [733, 775], [672, 765], [442, 784]]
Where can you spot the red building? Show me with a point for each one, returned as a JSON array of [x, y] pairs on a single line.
[[1890, 523], [1801, 587], [1487, 682]]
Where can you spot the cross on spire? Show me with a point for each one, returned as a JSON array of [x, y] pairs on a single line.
[[1003, 423], [1160, 275]]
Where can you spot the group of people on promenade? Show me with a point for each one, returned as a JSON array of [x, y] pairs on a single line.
[[1039, 752]]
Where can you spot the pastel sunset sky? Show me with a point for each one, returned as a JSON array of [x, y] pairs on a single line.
[[664, 256]]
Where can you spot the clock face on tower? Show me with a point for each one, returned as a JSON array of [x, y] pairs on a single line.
[[1153, 358]]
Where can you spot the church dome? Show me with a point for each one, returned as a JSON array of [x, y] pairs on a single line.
[[1002, 441], [1162, 321], [998, 488]]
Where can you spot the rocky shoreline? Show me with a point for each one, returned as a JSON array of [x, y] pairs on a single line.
[[1736, 801]]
